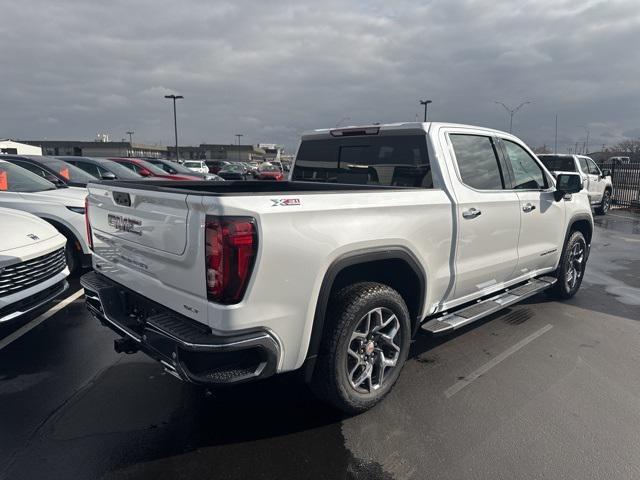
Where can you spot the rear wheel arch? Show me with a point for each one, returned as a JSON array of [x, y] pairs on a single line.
[[396, 267]]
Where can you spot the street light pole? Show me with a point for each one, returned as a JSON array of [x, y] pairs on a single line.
[[426, 104], [239, 135], [512, 112], [175, 120], [130, 151]]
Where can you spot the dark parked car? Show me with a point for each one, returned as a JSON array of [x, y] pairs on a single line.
[[215, 165], [174, 168], [58, 172], [146, 169], [234, 171], [102, 168]]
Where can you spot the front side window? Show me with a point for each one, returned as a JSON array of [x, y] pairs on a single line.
[[477, 161], [593, 168], [393, 160], [527, 174], [583, 165]]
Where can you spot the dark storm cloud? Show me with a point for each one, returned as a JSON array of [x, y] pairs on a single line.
[[269, 70]]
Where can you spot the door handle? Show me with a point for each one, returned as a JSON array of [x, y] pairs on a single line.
[[528, 207], [471, 213]]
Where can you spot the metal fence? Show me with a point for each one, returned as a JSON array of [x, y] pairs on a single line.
[[626, 183]]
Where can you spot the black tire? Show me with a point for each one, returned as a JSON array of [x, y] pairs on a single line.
[[348, 310], [567, 285], [605, 203], [72, 256]]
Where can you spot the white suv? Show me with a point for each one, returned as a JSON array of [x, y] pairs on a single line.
[[32, 263], [61, 207], [197, 166]]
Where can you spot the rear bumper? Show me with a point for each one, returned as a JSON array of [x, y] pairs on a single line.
[[187, 349]]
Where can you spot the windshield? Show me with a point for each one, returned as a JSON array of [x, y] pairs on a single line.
[[232, 168], [192, 164], [151, 167], [171, 167], [558, 163], [16, 179], [67, 171], [120, 171], [268, 168]]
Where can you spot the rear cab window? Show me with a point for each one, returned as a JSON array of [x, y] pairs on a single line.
[[477, 160], [388, 160]]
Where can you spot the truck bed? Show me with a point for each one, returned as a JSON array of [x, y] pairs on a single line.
[[254, 187]]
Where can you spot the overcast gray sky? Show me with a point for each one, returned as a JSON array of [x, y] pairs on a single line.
[[272, 69]]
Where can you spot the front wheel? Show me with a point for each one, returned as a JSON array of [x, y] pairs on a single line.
[[605, 204], [365, 344], [573, 262]]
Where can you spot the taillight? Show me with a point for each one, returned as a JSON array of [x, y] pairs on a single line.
[[231, 244], [86, 222]]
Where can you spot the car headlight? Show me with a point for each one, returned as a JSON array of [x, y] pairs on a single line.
[[79, 210]]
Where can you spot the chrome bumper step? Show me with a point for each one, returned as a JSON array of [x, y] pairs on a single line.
[[466, 315]]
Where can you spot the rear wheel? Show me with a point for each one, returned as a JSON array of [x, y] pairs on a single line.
[[572, 266], [365, 344], [605, 204]]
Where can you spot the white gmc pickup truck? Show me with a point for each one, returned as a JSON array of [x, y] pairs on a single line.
[[384, 231]]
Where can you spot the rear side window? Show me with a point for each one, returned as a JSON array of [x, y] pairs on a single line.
[[527, 174], [399, 160], [477, 161], [557, 163]]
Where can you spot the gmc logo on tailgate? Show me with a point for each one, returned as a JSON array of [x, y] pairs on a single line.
[[125, 224]]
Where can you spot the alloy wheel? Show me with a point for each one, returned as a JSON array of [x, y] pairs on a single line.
[[373, 350], [575, 266]]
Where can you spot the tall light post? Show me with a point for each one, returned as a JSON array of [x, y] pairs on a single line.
[[239, 136], [130, 150], [511, 111], [175, 120], [586, 143], [426, 104]]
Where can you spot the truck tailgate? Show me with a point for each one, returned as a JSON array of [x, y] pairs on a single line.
[[145, 240]]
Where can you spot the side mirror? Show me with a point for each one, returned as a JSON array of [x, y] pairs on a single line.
[[606, 173], [566, 184], [107, 176]]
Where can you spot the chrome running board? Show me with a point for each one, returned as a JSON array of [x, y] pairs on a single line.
[[466, 315]]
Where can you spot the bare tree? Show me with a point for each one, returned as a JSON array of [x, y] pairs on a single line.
[[542, 149], [631, 147]]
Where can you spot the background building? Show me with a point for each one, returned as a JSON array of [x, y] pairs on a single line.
[[98, 148], [210, 151], [16, 148]]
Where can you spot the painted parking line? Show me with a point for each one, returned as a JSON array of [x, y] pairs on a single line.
[[460, 384], [41, 318]]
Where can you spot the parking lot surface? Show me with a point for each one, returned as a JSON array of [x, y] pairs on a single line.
[[542, 390]]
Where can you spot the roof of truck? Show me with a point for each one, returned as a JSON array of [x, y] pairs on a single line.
[[381, 128]]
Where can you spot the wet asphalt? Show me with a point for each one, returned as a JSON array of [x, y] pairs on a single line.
[[541, 390]]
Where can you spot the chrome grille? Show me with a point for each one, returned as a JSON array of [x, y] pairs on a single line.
[[21, 276]]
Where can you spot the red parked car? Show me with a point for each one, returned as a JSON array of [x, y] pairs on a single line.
[[147, 169], [267, 171]]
